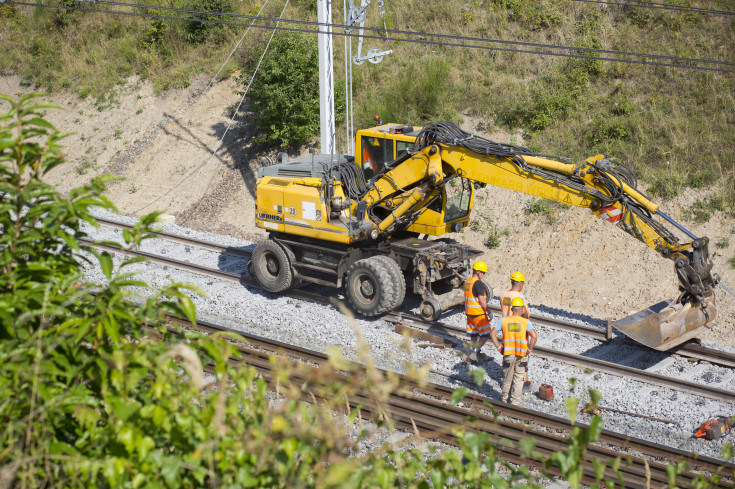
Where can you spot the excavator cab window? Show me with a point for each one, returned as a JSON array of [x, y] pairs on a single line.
[[459, 198], [402, 148], [376, 152]]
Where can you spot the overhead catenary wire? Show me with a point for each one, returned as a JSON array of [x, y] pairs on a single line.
[[645, 61], [234, 114], [397, 32], [186, 116], [658, 5]]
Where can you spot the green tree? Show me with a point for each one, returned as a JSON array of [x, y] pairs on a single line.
[[284, 92]]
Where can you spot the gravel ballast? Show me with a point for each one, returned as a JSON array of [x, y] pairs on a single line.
[[316, 326]]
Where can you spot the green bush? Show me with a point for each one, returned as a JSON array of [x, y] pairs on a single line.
[[67, 16], [542, 207], [284, 94], [493, 239], [427, 95], [198, 32], [605, 129], [701, 211], [534, 15]]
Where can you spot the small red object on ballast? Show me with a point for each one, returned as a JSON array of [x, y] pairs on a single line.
[[546, 392]]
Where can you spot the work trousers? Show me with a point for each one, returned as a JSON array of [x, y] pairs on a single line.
[[514, 372]]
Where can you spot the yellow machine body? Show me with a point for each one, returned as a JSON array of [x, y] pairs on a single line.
[[407, 181]]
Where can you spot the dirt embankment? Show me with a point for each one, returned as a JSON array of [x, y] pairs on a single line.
[[174, 158]]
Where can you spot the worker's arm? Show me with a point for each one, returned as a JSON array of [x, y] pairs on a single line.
[[498, 326], [532, 337], [478, 290], [483, 303]]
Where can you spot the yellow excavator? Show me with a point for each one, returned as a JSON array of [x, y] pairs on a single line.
[[364, 222]]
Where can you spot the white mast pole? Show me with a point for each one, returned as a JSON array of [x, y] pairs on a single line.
[[326, 76]]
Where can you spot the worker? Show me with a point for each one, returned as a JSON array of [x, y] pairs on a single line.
[[519, 338], [475, 307], [517, 281]]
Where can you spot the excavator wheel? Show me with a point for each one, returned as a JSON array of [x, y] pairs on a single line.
[[272, 267], [430, 309], [370, 287], [398, 279]]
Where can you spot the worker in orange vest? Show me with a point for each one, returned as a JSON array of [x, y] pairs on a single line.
[[475, 307], [517, 281], [519, 337]]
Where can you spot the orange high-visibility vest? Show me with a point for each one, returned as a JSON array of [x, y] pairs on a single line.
[[506, 299], [514, 336], [472, 305]]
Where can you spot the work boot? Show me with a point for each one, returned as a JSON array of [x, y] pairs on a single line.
[[473, 357]]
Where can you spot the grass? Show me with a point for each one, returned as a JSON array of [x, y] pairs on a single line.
[[493, 239], [83, 166], [542, 207], [703, 209]]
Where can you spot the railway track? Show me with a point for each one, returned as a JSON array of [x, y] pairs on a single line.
[[414, 322], [690, 350], [236, 265], [427, 408]]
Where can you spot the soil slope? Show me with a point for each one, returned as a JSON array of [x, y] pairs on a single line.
[[175, 157]]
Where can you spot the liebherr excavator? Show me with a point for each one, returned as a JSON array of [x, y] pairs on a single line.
[[363, 222]]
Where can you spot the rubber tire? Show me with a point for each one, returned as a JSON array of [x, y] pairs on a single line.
[[373, 272], [398, 279], [272, 267]]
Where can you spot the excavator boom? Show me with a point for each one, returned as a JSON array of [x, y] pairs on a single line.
[[608, 190]]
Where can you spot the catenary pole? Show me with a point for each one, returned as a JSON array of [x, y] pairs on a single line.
[[326, 76]]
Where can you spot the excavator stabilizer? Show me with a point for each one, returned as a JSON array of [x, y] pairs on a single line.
[[668, 323]]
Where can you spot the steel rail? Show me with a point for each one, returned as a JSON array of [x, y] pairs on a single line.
[[458, 334], [449, 330], [428, 410], [689, 350], [207, 245]]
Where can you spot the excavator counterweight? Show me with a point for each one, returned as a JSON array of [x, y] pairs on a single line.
[[364, 222]]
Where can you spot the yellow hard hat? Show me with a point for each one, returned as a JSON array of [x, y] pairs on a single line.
[[517, 302], [480, 266], [518, 277]]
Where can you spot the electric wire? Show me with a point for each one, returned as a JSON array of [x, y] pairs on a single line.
[[664, 6], [234, 115], [186, 117], [644, 61], [377, 30]]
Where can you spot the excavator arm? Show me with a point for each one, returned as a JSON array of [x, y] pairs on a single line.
[[398, 195]]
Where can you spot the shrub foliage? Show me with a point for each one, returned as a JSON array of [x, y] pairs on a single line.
[[284, 92]]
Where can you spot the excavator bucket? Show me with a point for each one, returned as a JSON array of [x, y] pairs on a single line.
[[668, 323]]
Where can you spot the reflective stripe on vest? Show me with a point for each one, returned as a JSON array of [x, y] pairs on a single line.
[[506, 299], [514, 336], [472, 305]]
